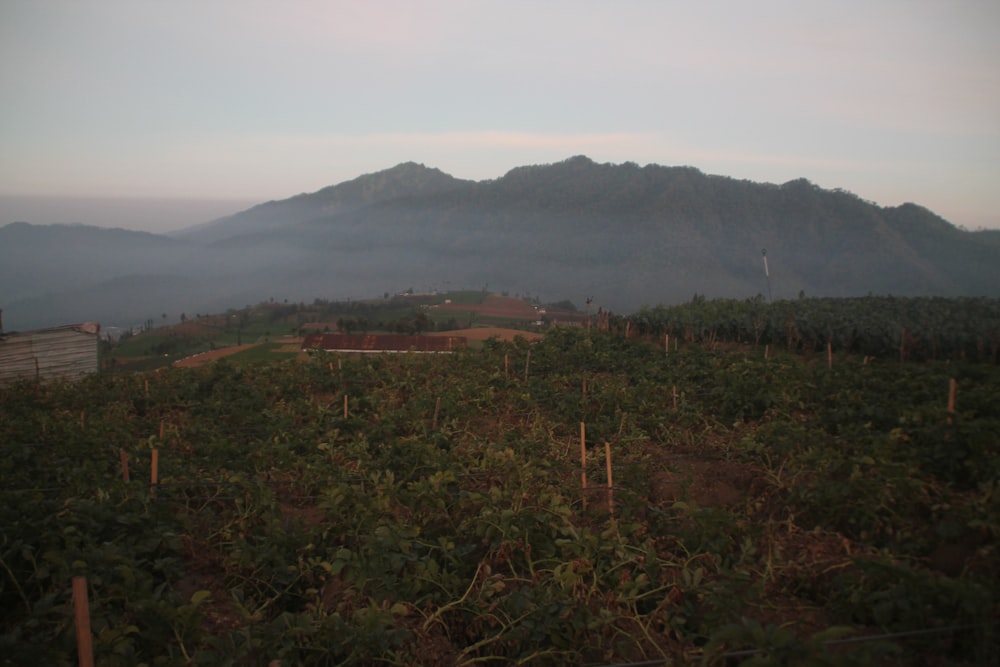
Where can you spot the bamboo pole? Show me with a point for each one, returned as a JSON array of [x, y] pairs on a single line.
[[154, 472], [81, 612], [583, 463], [123, 455], [611, 487]]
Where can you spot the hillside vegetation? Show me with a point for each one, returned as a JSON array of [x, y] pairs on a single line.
[[590, 499]]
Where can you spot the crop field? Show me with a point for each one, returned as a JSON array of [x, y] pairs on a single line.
[[586, 499]]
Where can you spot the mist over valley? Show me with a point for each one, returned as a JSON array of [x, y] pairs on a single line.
[[623, 234]]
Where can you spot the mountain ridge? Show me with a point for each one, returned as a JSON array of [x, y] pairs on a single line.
[[624, 234]]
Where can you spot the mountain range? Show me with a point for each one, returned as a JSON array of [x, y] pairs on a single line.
[[623, 235]]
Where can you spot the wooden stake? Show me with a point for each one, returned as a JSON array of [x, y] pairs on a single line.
[[527, 362], [611, 489], [952, 390], [829, 354], [161, 429], [675, 396], [583, 462], [147, 388], [767, 350], [81, 611], [585, 387], [666, 343], [345, 406], [154, 472], [506, 365], [123, 455], [437, 409]]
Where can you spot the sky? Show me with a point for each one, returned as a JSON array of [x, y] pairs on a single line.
[[233, 102]]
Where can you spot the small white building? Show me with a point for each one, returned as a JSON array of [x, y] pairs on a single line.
[[60, 352]]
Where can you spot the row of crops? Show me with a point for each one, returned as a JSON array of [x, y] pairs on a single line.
[[906, 328], [429, 509]]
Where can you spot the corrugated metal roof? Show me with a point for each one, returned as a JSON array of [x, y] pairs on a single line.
[[381, 343], [60, 352]]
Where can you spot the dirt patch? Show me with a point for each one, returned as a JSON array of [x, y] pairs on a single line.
[[709, 483], [208, 357]]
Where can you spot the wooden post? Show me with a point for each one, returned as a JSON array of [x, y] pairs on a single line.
[[147, 388], [767, 350], [829, 354], [345, 406], [527, 363], [154, 472], [506, 365], [83, 419], [81, 611], [123, 455], [583, 463], [161, 429], [437, 409], [675, 396], [611, 487], [585, 387], [952, 390], [666, 343], [628, 328]]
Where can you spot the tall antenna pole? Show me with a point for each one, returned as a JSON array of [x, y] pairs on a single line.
[[767, 274]]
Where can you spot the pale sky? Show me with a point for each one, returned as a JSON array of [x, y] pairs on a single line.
[[252, 100]]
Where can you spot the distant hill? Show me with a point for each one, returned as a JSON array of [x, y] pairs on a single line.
[[623, 234]]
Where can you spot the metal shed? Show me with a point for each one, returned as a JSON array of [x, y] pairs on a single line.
[[61, 352]]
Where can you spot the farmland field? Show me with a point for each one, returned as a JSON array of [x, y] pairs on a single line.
[[437, 509]]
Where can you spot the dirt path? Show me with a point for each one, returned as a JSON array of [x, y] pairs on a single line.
[[208, 357]]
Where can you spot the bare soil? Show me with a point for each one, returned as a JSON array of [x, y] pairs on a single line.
[[208, 357]]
